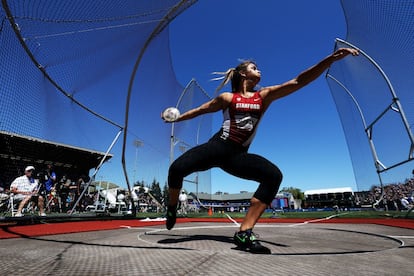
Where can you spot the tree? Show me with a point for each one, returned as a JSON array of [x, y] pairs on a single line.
[[156, 190], [165, 194], [139, 183], [296, 193]]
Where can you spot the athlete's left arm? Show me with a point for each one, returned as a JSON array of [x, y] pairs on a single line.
[[216, 104], [271, 93]]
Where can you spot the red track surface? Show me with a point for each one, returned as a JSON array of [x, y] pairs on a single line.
[[18, 231]]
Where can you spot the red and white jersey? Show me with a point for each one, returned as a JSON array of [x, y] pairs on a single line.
[[241, 119]]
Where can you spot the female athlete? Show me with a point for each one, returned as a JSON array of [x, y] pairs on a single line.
[[228, 149]]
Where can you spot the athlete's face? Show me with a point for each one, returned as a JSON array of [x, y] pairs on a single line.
[[253, 73]]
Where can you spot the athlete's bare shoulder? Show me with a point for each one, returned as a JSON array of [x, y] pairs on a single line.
[[226, 97]]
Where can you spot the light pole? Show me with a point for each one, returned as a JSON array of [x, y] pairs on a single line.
[[137, 144]]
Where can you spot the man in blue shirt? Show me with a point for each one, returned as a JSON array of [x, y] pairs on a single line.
[[50, 179]]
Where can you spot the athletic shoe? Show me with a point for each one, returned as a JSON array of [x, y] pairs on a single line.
[[42, 214], [171, 217], [18, 215], [247, 241]]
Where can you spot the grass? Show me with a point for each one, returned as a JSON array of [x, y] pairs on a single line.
[[306, 215], [298, 215]]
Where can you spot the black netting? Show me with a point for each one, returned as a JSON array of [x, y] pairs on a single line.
[[373, 92], [67, 68]]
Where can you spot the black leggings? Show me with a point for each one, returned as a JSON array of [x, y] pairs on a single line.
[[233, 159]]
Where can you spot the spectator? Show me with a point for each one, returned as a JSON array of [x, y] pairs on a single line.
[[3, 187], [63, 193], [392, 194], [48, 190], [51, 178], [73, 195], [183, 203], [25, 188], [405, 204], [81, 184]]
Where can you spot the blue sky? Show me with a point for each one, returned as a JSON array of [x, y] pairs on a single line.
[[301, 133]]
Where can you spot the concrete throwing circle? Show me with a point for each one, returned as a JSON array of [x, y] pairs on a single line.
[[318, 239]]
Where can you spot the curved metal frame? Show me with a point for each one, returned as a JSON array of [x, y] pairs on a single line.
[[395, 106]]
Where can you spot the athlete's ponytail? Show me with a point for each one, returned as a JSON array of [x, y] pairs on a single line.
[[233, 75]]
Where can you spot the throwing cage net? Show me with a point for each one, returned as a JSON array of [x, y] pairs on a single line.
[[187, 134], [373, 92], [83, 86]]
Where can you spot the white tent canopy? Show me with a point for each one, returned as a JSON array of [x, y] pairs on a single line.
[[329, 191]]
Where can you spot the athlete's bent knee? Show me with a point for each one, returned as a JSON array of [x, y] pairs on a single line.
[[267, 190], [175, 176]]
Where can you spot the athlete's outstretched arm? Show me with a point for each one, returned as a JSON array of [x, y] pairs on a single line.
[[216, 104], [271, 93]]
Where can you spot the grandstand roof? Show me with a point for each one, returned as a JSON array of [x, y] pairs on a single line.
[[225, 197], [230, 197], [47, 150], [18, 151], [329, 191]]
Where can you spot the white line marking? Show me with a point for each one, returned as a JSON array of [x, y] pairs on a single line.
[[235, 222], [402, 237]]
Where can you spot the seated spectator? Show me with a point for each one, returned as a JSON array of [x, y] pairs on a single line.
[[25, 188], [63, 192], [405, 203]]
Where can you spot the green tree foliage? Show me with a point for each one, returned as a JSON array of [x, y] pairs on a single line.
[[156, 190], [296, 193], [139, 183], [165, 194]]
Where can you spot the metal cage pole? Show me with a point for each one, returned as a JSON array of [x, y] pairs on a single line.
[[96, 171]]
